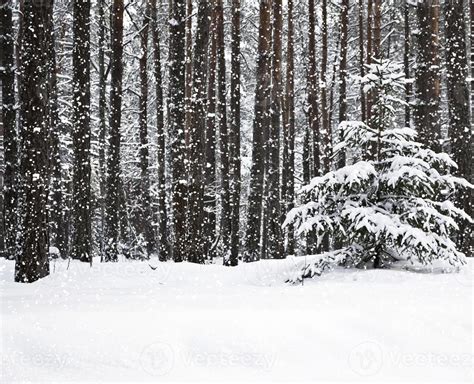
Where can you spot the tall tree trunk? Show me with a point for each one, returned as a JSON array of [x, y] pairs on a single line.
[[459, 106], [198, 126], [363, 105], [273, 203], [210, 142], [370, 22], [82, 218], [114, 185], [326, 128], [261, 119], [32, 259], [288, 170], [427, 118], [313, 90], [161, 145], [189, 68], [102, 122], [406, 60], [343, 72], [146, 216], [235, 132], [176, 107], [9, 224], [225, 223], [56, 209]]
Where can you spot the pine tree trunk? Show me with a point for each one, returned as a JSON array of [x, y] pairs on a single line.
[[235, 132], [427, 80], [114, 185], [459, 105], [273, 203], [313, 90], [406, 60], [9, 224], [210, 144], [261, 120], [362, 59], [343, 73], [146, 216], [225, 222], [161, 145], [32, 259], [82, 224], [197, 242], [189, 68], [56, 209], [370, 22], [102, 122], [176, 123], [326, 128], [288, 170]]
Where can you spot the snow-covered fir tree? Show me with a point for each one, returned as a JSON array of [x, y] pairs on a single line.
[[394, 200]]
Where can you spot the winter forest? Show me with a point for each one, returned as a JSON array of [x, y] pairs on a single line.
[[257, 156]]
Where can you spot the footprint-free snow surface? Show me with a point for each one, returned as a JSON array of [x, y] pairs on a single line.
[[127, 322]]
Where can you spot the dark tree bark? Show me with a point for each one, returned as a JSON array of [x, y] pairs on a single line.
[[225, 222], [326, 128], [459, 105], [32, 259], [406, 60], [288, 170], [235, 132], [210, 144], [81, 209], [261, 119], [177, 122], [313, 91], [145, 213], [196, 247], [363, 105], [273, 203], [102, 121], [427, 80], [56, 200], [343, 72], [370, 22], [189, 67], [114, 186], [160, 132], [9, 224]]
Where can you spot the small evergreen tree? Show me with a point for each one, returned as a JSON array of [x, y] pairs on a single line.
[[391, 203]]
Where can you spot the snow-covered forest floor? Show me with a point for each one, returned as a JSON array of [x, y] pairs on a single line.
[[126, 322]]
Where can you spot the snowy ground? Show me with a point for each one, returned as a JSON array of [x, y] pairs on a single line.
[[126, 322]]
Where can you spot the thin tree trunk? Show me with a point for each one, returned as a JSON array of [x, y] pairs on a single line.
[[343, 73], [146, 216], [225, 222], [82, 218], [114, 185], [102, 122], [406, 60], [235, 132], [362, 59], [176, 107], [189, 67], [288, 170], [210, 169], [160, 132]]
